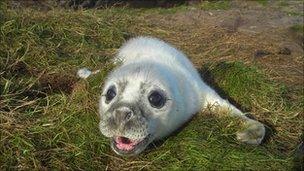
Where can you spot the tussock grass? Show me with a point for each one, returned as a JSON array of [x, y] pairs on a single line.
[[48, 117]]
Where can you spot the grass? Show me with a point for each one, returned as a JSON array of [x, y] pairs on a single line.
[[246, 84], [262, 2], [204, 5], [215, 5], [283, 3], [44, 123], [49, 120], [300, 14], [288, 8], [298, 28]]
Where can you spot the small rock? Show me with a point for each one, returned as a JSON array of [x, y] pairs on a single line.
[[84, 73], [261, 53], [284, 51]]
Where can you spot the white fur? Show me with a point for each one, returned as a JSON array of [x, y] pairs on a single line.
[[150, 49], [194, 93]]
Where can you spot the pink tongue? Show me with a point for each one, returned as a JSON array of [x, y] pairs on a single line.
[[123, 143]]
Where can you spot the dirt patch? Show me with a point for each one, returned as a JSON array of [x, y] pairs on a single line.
[[239, 33], [19, 67], [263, 36], [57, 82]]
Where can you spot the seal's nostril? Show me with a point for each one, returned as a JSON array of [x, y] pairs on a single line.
[[129, 114], [123, 114]]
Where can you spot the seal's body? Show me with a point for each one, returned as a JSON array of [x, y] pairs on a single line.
[[153, 92]]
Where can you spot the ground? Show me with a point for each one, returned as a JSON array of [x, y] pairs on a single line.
[[251, 52]]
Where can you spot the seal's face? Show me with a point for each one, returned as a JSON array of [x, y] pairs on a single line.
[[134, 105]]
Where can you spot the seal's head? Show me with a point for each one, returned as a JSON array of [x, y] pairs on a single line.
[[140, 103]]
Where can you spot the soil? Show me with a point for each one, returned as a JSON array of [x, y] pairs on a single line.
[[57, 83], [248, 31]]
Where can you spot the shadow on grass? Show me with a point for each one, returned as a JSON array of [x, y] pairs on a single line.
[[208, 77], [130, 3], [298, 160]]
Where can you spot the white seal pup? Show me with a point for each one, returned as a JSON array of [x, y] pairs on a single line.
[[152, 93]]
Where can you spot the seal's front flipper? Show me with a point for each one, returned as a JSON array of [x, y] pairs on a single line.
[[251, 131]]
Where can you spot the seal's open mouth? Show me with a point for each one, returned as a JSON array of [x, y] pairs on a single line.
[[127, 146]]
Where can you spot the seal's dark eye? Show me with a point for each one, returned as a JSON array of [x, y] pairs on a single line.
[[156, 99], [111, 93]]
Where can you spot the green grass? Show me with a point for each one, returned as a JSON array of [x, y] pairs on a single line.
[[298, 28], [245, 83], [262, 2], [208, 143], [283, 3], [44, 123], [169, 11], [49, 120], [215, 5], [291, 13], [205, 5]]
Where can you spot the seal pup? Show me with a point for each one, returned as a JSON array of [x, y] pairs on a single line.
[[153, 92]]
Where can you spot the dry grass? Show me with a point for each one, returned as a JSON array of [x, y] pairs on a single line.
[[48, 117]]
